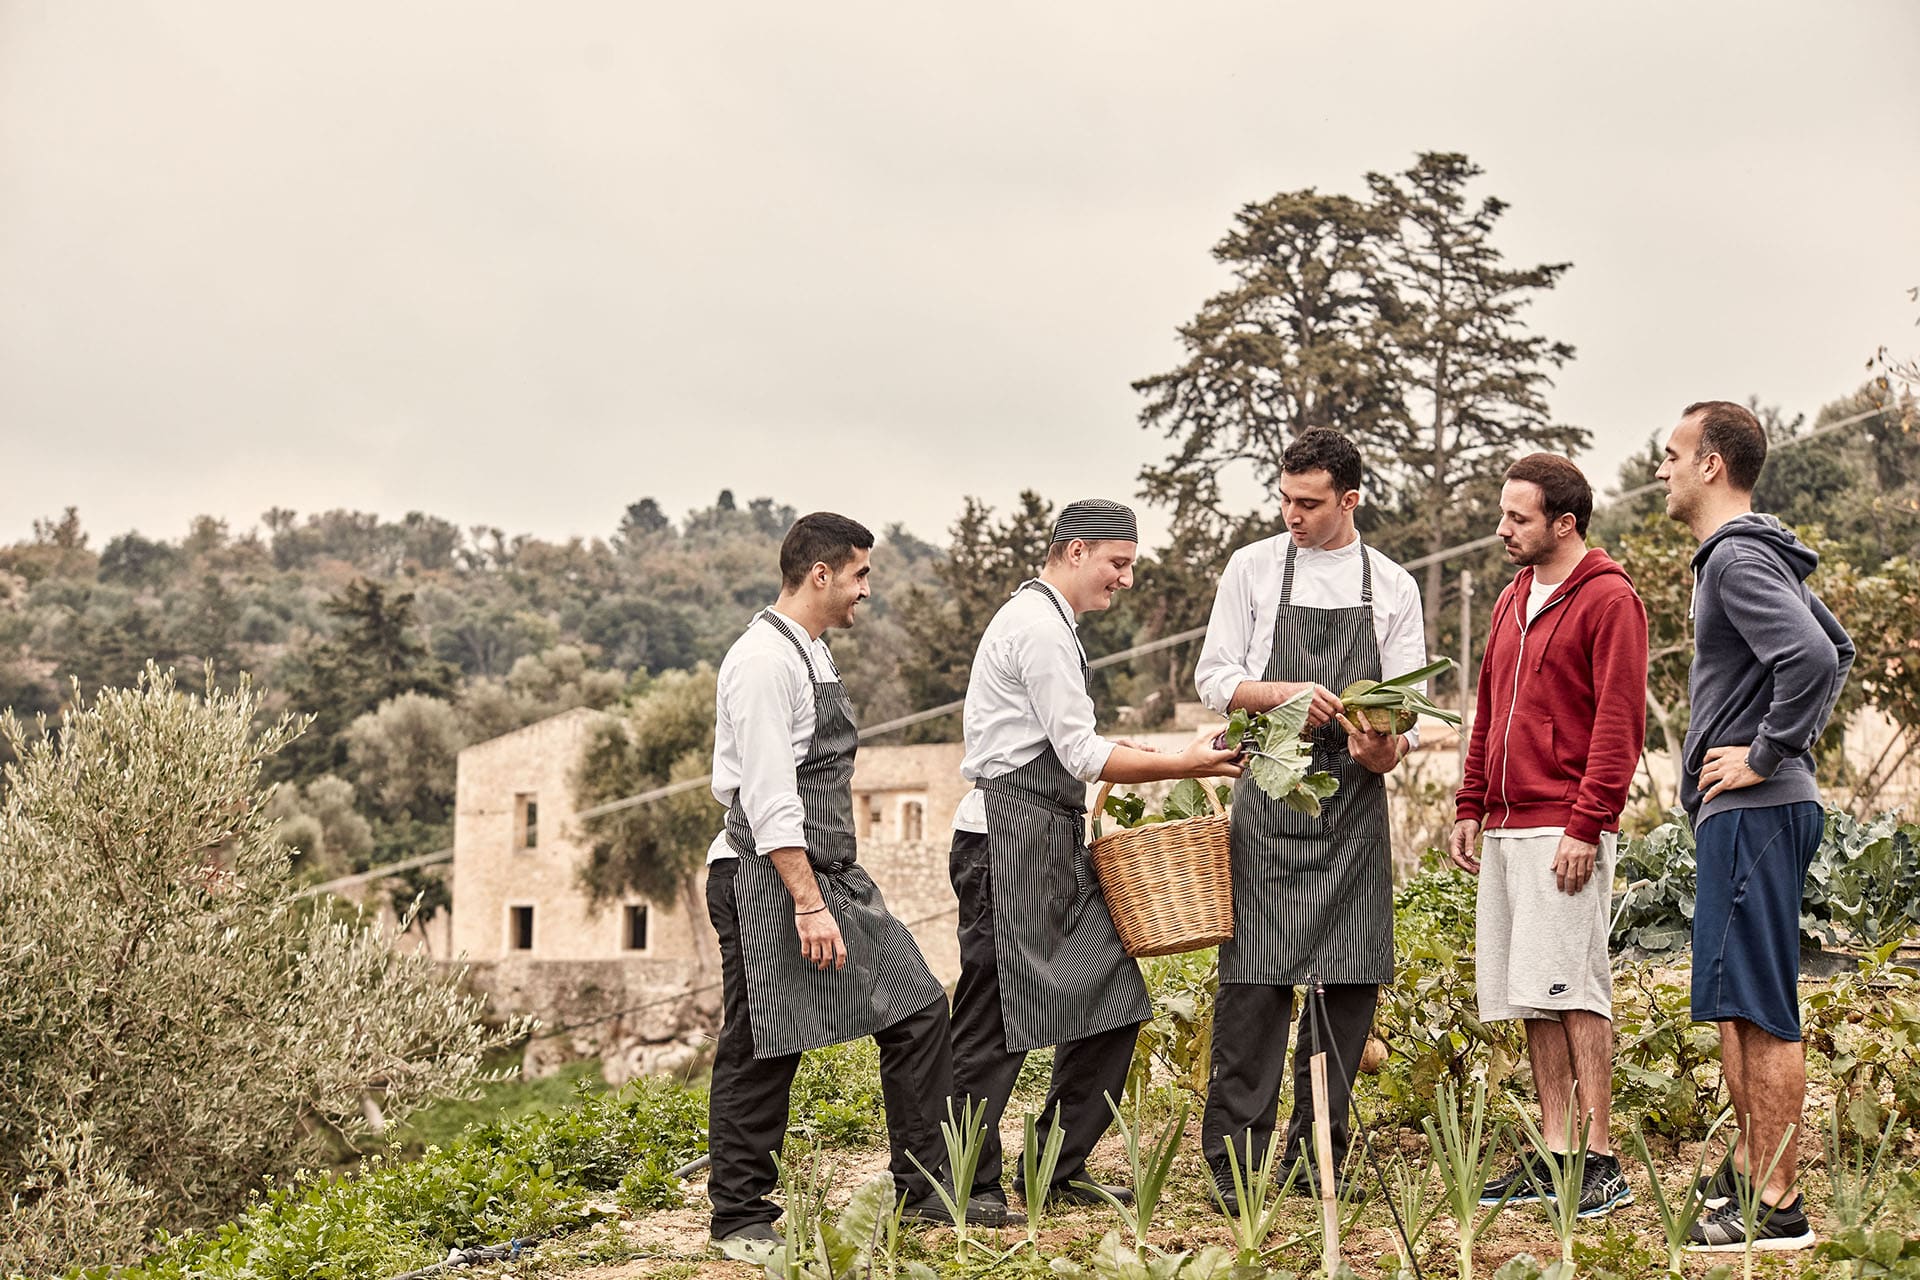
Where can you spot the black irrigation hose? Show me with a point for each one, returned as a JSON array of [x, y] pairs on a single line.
[[479, 1253], [1317, 1015]]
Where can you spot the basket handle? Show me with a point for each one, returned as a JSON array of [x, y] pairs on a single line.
[[1213, 797]]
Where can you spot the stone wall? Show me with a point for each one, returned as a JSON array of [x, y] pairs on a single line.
[[639, 1017]]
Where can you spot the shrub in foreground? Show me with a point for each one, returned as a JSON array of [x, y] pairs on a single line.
[[173, 1029]]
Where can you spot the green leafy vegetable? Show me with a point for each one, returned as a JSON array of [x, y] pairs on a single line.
[[1278, 757], [1390, 706], [1189, 800], [1127, 810]]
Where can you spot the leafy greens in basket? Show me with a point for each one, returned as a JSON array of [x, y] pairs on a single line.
[[1187, 800]]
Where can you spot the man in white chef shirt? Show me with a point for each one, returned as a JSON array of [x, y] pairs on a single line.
[[1040, 961], [1309, 609], [809, 953]]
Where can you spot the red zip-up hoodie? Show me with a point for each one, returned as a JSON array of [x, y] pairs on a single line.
[[1562, 707]]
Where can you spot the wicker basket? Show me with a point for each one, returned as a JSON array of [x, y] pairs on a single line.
[[1169, 884]]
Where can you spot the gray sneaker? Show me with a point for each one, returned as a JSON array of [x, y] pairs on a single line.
[[1725, 1231]]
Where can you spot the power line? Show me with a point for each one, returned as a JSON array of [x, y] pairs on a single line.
[[380, 872], [1628, 495], [1178, 637], [1111, 659]]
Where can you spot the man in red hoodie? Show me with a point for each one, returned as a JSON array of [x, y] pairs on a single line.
[[1557, 731]]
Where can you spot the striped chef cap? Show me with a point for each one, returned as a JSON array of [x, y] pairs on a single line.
[[1094, 519]]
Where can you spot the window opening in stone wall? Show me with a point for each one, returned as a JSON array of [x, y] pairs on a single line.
[[913, 818], [526, 821], [636, 926], [520, 929]]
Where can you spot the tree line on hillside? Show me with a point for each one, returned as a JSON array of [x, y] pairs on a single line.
[[1391, 315]]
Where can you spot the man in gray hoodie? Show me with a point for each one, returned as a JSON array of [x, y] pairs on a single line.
[[1769, 661]]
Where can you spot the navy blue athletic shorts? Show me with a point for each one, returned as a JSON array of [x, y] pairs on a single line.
[[1752, 865]]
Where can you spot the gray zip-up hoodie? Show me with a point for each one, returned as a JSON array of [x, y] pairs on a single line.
[[1769, 661]]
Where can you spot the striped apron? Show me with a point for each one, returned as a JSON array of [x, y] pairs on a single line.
[[791, 1005], [1313, 896], [1063, 973]]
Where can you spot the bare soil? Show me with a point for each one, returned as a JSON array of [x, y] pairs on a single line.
[[674, 1243]]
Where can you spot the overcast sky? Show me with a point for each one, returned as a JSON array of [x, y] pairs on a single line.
[[523, 263]]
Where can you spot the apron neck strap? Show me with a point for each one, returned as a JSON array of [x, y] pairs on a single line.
[[1366, 574], [1034, 584], [812, 675]]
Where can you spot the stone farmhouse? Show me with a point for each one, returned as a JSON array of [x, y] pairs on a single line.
[[635, 983]]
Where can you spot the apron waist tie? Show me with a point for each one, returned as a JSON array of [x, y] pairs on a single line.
[[1000, 787]]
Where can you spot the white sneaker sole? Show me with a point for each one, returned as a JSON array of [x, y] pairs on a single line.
[[1769, 1244], [1529, 1197], [1620, 1201]]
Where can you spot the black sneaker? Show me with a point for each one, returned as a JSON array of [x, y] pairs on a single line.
[[1603, 1187], [1071, 1193], [1348, 1190], [1528, 1182], [1780, 1228], [1226, 1200], [982, 1211], [1720, 1187], [753, 1238]]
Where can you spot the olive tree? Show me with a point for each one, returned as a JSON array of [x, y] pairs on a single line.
[[173, 1028]]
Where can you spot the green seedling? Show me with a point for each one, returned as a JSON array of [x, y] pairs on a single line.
[[1412, 1192], [1150, 1163], [1255, 1198], [1037, 1163], [965, 1135], [1566, 1171], [1678, 1216], [1749, 1189], [1465, 1152], [1852, 1174], [804, 1183]]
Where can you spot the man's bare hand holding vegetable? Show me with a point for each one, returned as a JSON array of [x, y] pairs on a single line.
[[1265, 695], [1379, 752]]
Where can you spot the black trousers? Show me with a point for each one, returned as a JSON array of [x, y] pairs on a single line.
[[747, 1107], [1084, 1071], [1249, 1066]]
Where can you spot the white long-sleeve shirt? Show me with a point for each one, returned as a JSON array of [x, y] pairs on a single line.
[[763, 729], [1240, 631], [1027, 691]]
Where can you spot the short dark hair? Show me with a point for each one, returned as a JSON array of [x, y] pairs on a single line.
[[1323, 449], [820, 538], [1731, 431], [1563, 489]]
